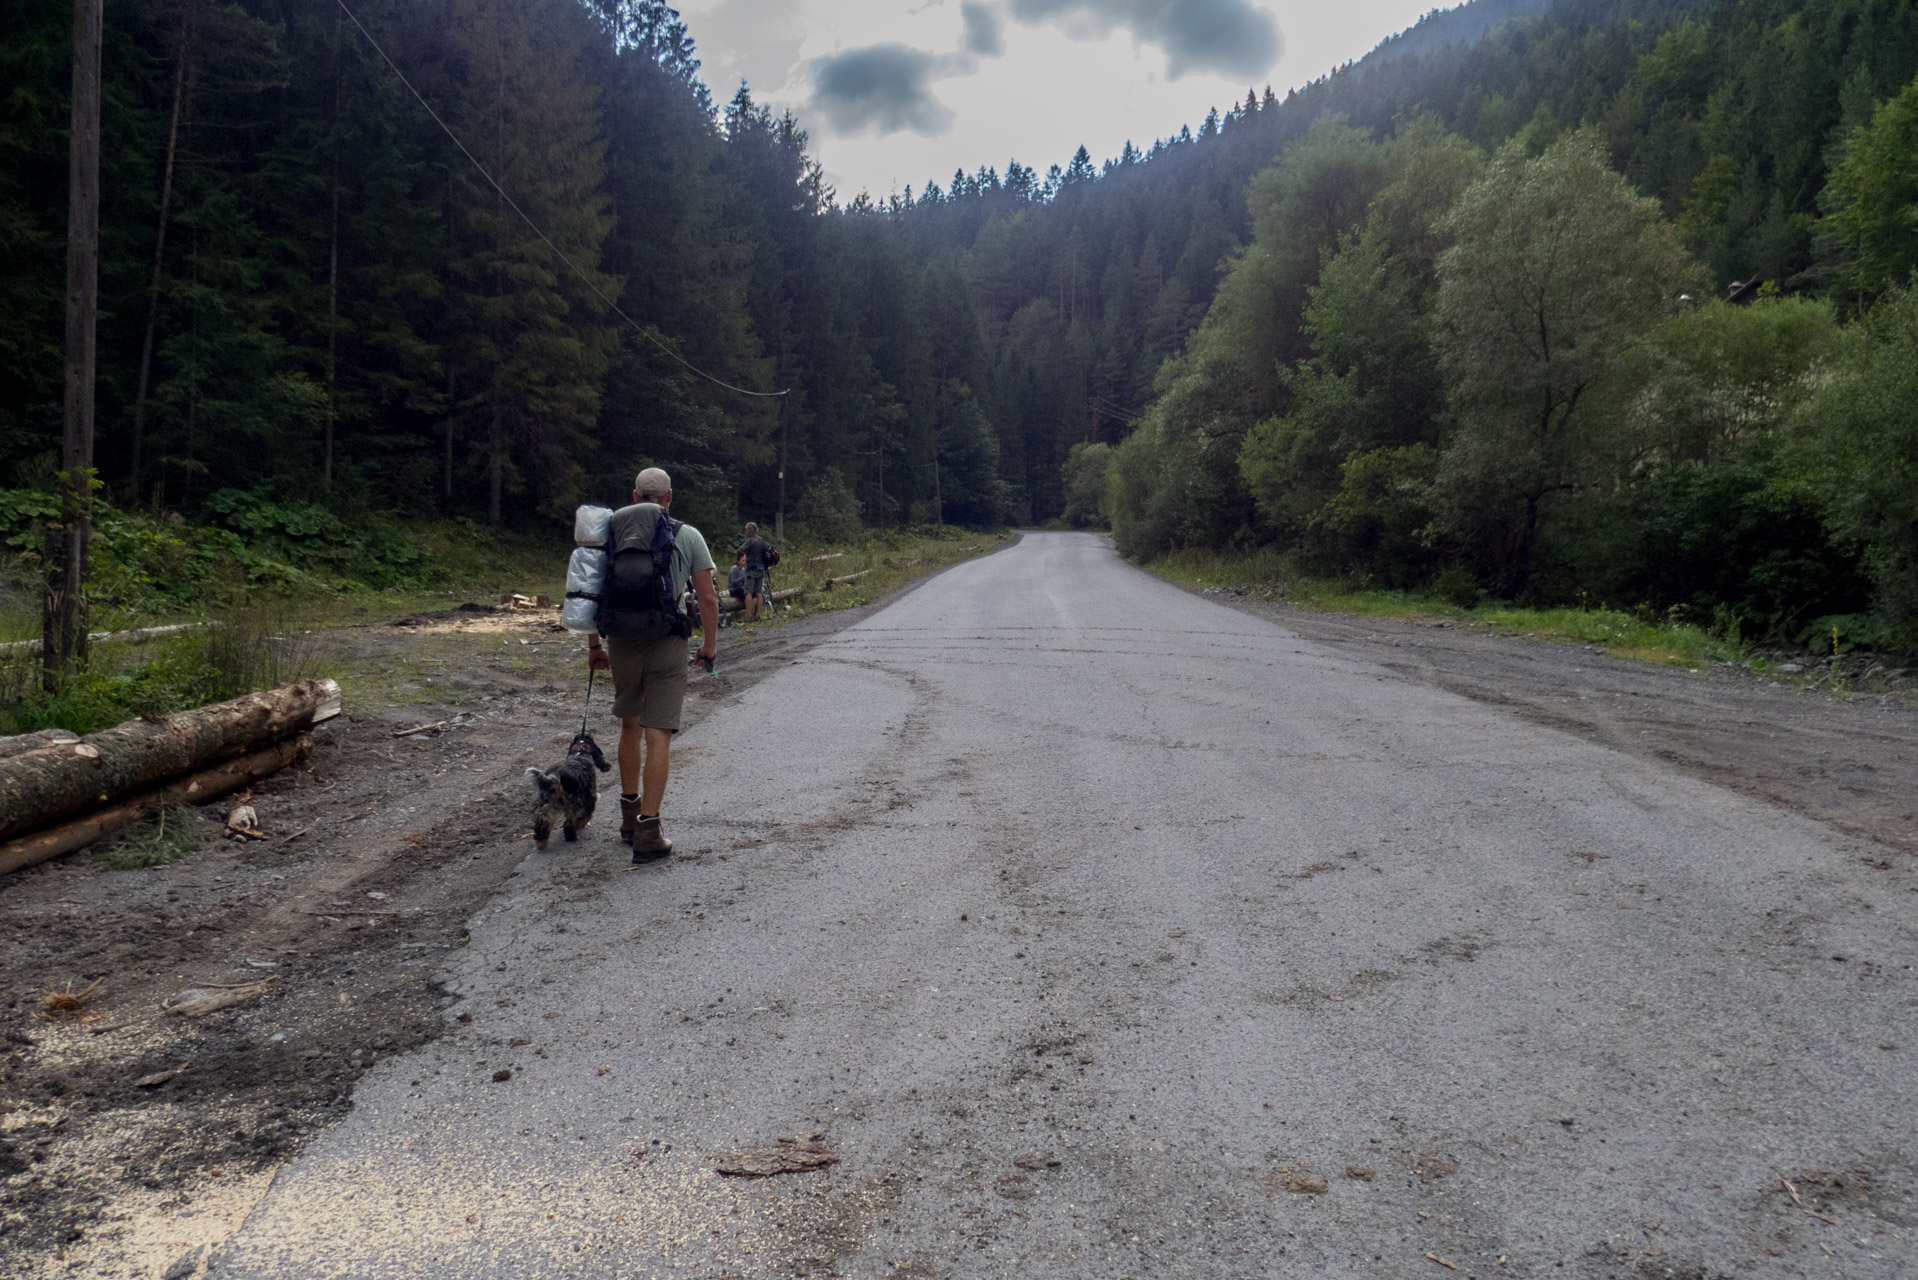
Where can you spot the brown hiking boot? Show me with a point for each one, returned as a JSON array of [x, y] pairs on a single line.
[[628, 815], [648, 844]]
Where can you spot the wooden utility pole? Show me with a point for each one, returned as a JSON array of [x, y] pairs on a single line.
[[779, 517], [63, 645]]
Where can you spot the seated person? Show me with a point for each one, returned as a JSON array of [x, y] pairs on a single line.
[[736, 579]]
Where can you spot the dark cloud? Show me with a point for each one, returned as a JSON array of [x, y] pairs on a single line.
[[985, 29], [884, 88], [1227, 36]]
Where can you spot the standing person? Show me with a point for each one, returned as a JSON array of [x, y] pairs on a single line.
[[736, 583], [648, 661], [758, 555]]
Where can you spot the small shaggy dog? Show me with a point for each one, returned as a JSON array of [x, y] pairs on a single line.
[[569, 792]]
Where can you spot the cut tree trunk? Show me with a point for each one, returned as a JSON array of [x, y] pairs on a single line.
[[198, 788], [121, 637], [42, 787], [729, 605], [20, 744]]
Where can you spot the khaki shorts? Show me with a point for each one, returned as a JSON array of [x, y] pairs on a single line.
[[649, 680]]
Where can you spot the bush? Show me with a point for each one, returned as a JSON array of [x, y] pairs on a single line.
[[828, 509], [254, 545], [1084, 477], [1858, 437], [1456, 586]]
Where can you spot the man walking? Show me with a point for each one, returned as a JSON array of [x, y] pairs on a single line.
[[758, 555], [649, 661]]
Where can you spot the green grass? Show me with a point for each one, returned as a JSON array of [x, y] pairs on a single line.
[[1268, 576], [167, 838], [265, 636], [251, 637]]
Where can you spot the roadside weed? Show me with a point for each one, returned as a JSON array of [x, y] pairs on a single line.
[[167, 838]]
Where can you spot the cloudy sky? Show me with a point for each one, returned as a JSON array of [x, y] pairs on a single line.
[[896, 92]]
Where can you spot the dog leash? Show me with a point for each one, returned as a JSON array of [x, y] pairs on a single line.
[[591, 671]]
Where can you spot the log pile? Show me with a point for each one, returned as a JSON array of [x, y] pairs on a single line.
[[64, 794]]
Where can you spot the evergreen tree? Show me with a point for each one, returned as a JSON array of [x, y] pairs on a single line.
[[535, 341]]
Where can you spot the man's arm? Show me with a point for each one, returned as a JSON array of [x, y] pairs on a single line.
[[708, 612]]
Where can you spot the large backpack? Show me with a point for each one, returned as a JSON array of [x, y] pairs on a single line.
[[638, 601]]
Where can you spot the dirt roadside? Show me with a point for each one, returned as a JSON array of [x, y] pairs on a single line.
[[1848, 760], [131, 1139]]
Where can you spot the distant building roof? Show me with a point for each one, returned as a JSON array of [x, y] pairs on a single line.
[[1744, 292]]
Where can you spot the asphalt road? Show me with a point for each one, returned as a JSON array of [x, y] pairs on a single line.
[[1103, 931]]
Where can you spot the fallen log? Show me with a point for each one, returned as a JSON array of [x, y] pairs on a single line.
[[832, 582], [43, 786], [20, 744], [207, 784], [729, 605], [111, 637]]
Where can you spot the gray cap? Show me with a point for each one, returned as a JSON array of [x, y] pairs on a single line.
[[652, 484]]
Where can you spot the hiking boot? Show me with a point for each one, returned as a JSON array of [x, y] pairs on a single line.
[[648, 844], [628, 815]]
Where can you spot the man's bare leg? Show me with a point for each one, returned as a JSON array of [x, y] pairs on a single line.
[[659, 761], [631, 734]]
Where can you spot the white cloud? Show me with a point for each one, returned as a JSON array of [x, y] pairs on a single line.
[[1042, 98], [1232, 37]]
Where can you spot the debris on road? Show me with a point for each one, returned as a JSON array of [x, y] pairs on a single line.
[[68, 1000], [1300, 1182], [1452, 1266], [199, 1004], [790, 1155], [244, 822], [159, 1078]]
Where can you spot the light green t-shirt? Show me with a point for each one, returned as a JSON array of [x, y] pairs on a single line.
[[690, 555]]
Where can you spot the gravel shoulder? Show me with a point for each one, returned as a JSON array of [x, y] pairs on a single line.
[[129, 1139], [1849, 761]]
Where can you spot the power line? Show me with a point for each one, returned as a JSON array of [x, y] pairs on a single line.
[[1117, 411], [584, 278]]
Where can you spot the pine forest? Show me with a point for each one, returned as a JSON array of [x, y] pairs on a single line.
[[1598, 301]]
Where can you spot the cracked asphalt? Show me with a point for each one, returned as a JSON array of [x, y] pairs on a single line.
[[1104, 931]]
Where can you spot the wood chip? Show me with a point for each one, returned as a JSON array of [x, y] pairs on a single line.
[[1450, 1266], [157, 1079], [221, 999], [790, 1155], [1821, 1217], [417, 729], [114, 1026]]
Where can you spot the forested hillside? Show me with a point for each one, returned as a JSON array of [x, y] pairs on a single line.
[[1422, 318]]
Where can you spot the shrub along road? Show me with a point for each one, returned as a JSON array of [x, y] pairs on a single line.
[[1101, 931]]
